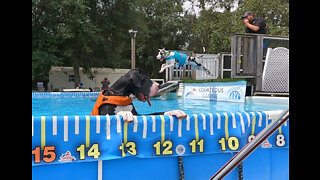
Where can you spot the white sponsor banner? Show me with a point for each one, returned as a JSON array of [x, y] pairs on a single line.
[[216, 91]]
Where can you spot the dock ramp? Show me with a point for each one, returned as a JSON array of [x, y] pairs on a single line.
[[167, 87]]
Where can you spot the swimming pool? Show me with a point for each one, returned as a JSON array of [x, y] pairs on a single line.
[[82, 105], [74, 145]]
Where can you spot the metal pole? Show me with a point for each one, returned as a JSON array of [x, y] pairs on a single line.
[[239, 157], [133, 61], [181, 170], [133, 34]]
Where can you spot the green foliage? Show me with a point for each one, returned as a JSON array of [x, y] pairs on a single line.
[[216, 23], [274, 12], [160, 24], [94, 33]]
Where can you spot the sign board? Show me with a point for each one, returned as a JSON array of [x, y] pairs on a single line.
[[216, 91]]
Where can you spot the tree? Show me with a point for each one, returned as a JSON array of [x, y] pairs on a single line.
[[94, 33], [213, 27], [44, 51], [67, 33], [160, 24], [219, 19], [274, 12], [81, 43]]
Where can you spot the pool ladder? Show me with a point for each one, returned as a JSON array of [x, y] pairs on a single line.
[[251, 146]]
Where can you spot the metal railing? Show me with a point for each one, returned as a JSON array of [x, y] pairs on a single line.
[[251, 146], [209, 61], [174, 73]]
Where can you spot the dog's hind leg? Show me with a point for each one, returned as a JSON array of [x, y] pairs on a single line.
[[206, 70], [198, 66]]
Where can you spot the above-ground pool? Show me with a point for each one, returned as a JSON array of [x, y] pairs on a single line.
[[67, 143], [82, 105]]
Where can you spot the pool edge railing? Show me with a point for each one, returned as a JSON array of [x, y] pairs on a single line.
[[59, 94]]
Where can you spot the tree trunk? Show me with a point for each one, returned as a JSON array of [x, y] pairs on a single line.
[[76, 70]]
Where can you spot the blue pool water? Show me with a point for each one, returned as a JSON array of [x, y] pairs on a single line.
[[60, 106]]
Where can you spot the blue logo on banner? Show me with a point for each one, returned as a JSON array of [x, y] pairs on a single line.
[[235, 94], [190, 92]]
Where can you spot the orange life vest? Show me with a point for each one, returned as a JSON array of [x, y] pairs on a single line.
[[116, 100]]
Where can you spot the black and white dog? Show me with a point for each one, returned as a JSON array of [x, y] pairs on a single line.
[[178, 59], [116, 100]]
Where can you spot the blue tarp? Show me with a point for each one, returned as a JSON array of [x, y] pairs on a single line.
[[71, 146]]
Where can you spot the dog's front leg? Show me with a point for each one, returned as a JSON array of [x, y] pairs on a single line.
[[166, 65], [127, 116], [163, 67]]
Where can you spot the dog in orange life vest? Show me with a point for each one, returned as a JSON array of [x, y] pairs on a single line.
[[116, 100]]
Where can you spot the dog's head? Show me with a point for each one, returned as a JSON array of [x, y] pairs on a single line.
[[162, 54], [137, 83]]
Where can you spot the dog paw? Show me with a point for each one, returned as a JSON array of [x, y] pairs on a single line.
[[127, 116], [179, 114], [163, 67]]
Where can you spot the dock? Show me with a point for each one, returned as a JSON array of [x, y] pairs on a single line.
[[168, 87]]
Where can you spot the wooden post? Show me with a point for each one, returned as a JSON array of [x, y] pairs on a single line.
[[259, 41], [220, 66], [166, 72], [193, 74], [245, 69], [233, 56], [239, 39], [251, 56], [184, 71]]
